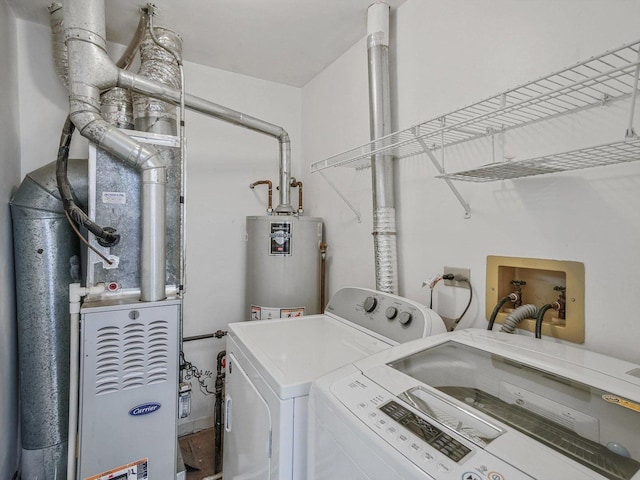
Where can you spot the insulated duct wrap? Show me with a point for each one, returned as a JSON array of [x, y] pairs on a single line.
[[159, 65], [47, 259], [117, 108]]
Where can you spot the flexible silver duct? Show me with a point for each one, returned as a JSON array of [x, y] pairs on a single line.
[[384, 213], [44, 243], [158, 64]]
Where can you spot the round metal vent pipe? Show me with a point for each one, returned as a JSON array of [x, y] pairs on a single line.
[[384, 213]]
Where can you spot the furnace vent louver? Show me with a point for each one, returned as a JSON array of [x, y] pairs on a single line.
[[131, 356]]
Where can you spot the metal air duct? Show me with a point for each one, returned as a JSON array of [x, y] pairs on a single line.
[[47, 259], [90, 72], [384, 213], [140, 84]]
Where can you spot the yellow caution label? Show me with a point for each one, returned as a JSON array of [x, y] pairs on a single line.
[[622, 402]]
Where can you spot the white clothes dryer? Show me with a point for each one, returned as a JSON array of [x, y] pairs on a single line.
[[271, 364]]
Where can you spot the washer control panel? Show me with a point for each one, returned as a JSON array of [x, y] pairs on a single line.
[[397, 318], [432, 447], [426, 431]]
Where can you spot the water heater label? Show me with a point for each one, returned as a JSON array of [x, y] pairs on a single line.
[[291, 312], [132, 471], [266, 313], [280, 238]]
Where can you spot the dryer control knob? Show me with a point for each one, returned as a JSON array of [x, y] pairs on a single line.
[[391, 313], [405, 318], [370, 304]]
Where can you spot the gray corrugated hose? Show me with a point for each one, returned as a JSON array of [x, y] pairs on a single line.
[[519, 314]]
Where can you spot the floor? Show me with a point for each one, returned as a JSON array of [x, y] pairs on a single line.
[[197, 454]]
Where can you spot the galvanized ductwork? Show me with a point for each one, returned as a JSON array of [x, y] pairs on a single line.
[[47, 259], [384, 213], [58, 44], [90, 72]]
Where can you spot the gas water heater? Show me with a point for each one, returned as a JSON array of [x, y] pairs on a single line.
[[283, 266]]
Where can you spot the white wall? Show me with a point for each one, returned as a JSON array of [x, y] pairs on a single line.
[[9, 179], [222, 161], [448, 54]]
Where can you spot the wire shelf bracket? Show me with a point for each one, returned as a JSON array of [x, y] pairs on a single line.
[[609, 77], [355, 211], [440, 168]]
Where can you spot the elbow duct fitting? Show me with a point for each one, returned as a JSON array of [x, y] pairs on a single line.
[[519, 314]]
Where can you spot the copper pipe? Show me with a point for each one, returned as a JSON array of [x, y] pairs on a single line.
[[297, 183], [323, 273], [265, 182]]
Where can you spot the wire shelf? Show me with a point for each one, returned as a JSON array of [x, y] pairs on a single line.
[[601, 79], [600, 155]]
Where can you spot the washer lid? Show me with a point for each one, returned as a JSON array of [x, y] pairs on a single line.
[[291, 353]]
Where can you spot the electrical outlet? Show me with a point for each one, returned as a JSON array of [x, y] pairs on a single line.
[[460, 272]]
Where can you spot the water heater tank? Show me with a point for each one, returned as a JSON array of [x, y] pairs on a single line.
[[283, 266]]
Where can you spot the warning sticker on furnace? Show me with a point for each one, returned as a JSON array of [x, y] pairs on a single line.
[[280, 238], [132, 471]]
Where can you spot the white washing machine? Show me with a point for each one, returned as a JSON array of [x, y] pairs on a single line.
[[477, 405], [271, 364]]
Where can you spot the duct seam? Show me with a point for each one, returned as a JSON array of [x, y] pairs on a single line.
[[58, 43], [378, 38]]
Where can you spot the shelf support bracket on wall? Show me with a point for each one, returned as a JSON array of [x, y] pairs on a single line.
[[631, 134], [344, 199], [432, 157]]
